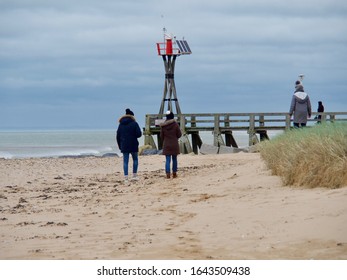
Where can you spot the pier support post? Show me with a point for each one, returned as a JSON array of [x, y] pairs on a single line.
[[251, 131], [287, 122], [217, 137], [185, 147], [196, 141], [230, 140], [147, 133], [263, 135], [184, 143], [150, 141]]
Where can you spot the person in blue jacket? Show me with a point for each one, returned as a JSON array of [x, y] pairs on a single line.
[[127, 134]]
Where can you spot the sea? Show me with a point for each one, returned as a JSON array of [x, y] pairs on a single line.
[[57, 143], [73, 143]]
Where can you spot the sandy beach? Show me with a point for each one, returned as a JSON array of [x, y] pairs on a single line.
[[220, 207]]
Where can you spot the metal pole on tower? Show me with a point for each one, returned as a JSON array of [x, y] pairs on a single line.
[[169, 53]]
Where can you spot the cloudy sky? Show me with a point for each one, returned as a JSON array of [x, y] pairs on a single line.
[[79, 64]]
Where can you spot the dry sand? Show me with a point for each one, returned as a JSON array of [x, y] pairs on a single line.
[[220, 207]]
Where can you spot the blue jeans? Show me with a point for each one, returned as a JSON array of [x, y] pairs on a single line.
[[126, 162], [168, 163]]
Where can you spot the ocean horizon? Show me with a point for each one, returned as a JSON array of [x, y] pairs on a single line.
[[57, 143], [73, 142]]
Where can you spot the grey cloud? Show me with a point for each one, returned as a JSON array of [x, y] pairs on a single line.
[[248, 53]]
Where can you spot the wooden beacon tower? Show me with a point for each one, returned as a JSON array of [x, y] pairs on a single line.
[[169, 50]]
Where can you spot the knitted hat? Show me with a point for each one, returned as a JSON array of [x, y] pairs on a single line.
[[169, 115], [129, 112], [298, 86]]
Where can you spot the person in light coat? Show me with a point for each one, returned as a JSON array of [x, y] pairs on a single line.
[[300, 106]]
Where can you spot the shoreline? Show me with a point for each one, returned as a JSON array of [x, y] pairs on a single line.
[[74, 143], [220, 207], [105, 155]]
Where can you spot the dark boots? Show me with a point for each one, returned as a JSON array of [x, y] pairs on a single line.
[[174, 175]]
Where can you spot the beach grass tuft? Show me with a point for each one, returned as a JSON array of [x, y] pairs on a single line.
[[311, 157]]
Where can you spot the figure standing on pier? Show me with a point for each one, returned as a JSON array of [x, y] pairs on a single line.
[[320, 110], [300, 106]]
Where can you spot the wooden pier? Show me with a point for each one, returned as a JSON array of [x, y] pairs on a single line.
[[222, 125]]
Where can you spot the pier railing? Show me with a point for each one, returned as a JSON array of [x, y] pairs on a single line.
[[225, 123]]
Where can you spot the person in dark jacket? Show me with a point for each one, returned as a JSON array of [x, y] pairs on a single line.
[[320, 110], [170, 132], [300, 106], [127, 133]]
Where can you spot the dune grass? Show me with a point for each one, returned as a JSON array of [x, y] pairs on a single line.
[[310, 157]]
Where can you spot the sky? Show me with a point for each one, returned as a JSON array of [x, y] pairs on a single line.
[[79, 64]]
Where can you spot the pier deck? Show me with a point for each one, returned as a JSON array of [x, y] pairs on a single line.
[[223, 124]]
